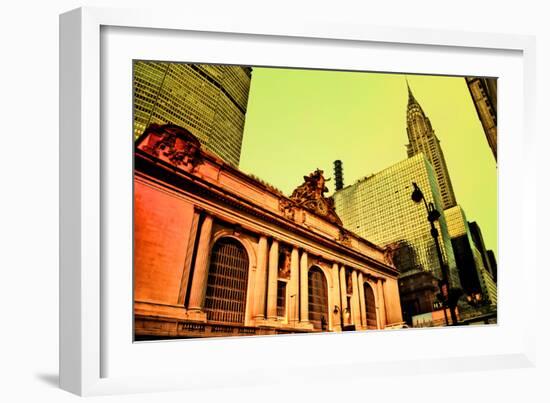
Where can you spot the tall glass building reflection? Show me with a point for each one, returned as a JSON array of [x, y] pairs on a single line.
[[208, 100]]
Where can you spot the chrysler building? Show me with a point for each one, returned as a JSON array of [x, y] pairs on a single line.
[[422, 139]]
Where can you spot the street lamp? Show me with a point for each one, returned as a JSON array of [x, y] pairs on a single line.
[[433, 215], [344, 318]]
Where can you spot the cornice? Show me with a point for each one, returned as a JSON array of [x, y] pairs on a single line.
[[164, 173]]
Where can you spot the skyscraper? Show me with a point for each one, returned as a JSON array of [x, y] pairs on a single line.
[[474, 276], [484, 96], [422, 139], [208, 100], [479, 242], [379, 208], [493, 264]]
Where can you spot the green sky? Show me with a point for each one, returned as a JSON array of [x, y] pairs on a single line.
[[300, 120]]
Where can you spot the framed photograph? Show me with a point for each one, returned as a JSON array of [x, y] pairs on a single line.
[[247, 202]]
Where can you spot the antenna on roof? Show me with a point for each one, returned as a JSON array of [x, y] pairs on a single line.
[[338, 175]]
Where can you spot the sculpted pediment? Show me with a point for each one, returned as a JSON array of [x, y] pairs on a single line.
[[310, 196], [172, 143]]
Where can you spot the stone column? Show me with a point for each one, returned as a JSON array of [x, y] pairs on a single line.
[[304, 300], [336, 298], [272, 280], [200, 274], [356, 310], [261, 269], [293, 314], [381, 304], [186, 275], [362, 301], [343, 294]]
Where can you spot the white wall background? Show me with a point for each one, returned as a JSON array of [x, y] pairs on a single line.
[[29, 199]]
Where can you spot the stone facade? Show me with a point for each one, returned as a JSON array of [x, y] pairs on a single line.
[[220, 253]]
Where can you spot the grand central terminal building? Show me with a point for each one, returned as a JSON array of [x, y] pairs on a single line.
[[218, 252]]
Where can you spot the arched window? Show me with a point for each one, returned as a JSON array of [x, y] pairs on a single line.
[[227, 282], [371, 307], [318, 299]]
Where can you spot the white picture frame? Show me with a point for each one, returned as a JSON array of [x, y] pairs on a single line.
[[93, 349]]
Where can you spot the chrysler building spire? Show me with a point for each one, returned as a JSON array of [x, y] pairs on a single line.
[[422, 139], [411, 96]]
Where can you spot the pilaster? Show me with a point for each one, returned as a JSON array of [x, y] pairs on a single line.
[[261, 269], [294, 292], [381, 304], [343, 294], [304, 300], [336, 298], [272, 280], [356, 310], [362, 302]]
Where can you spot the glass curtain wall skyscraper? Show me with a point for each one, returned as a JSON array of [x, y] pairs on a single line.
[[208, 100], [475, 277], [379, 208]]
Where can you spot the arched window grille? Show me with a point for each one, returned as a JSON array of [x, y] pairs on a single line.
[[318, 299], [371, 307], [227, 282]]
